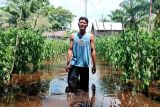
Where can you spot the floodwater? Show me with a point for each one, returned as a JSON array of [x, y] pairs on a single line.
[[105, 91]]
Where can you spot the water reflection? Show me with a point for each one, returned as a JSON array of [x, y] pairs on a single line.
[[81, 98], [57, 86]]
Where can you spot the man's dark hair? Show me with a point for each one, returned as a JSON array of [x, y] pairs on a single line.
[[84, 18]]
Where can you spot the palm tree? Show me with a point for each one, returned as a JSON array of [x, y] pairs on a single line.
[[18, 10], [38, 8], [132, 13], [22, 10]]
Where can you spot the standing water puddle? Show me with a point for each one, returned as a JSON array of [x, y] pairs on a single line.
[[104, 92]]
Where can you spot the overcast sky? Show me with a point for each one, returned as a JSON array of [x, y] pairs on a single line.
[[2, 2], [95, 8]]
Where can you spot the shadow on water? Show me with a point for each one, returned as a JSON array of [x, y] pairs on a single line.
[[105, 91]]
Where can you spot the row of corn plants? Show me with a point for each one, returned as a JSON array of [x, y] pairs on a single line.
[[137, 54], [23, 50], [54, 48]]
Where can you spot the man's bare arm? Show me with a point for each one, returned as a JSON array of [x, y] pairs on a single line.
[[93, 53], [69, 56]]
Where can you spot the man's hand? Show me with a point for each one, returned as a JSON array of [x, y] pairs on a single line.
[[93, 69], [68, 67]]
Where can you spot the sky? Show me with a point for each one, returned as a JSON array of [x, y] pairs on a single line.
[[95, 8], [2, 2]]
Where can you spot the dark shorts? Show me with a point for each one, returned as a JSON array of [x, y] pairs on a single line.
[[78, 78]]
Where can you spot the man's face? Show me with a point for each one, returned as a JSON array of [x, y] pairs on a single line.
[[82, 24]]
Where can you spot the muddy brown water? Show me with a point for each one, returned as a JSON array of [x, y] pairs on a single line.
[[104, 92]]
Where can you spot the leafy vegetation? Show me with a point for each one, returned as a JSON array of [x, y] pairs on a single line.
[[136, 50], [22, 46], [23, 50], [135, 53]]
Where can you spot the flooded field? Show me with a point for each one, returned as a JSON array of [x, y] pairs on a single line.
[[105, 91]]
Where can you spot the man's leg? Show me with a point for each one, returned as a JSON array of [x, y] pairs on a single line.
[[72, 79], [84, 78]]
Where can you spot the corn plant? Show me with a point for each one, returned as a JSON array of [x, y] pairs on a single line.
[[136, 53]]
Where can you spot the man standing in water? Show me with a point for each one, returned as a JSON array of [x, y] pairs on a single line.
[[81, 47]]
